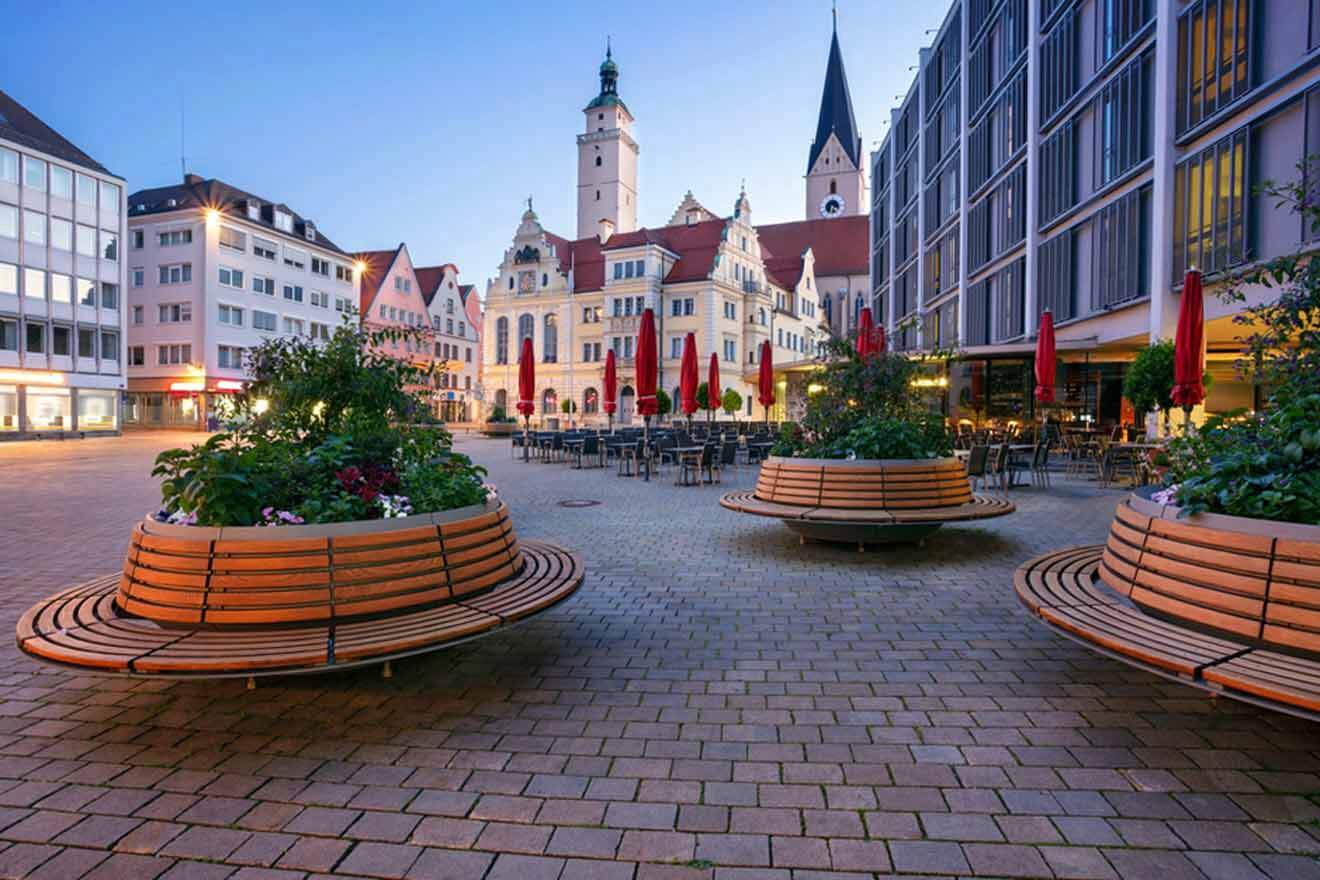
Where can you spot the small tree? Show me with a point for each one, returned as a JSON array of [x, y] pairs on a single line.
[[662, 402], [703, 396], [1148, 385], [731, 402], [568, 407]]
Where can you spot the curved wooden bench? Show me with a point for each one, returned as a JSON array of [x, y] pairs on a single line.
[[1222, 603], [255, 576], [83, 627], [865, 501]]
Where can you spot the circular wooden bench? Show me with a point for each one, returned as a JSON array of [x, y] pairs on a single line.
[[1224, 603], [865, 501], [247, 601]]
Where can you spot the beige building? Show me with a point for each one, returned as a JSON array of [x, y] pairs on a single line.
[[730, 282]]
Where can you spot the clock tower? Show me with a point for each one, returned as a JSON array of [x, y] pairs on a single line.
[[836, 178], [607, 160]]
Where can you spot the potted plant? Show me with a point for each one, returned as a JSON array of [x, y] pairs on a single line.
[[731, 402], [499, 423]]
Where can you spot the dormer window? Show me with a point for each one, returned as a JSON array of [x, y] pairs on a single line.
[[283, 221], [309, 229], [254, 210]]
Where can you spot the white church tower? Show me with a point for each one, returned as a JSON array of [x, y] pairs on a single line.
[[607, 161], [836, 178]]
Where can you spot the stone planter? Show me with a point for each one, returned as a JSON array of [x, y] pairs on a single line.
[[1251, 579], [499, 429], [866, 500]]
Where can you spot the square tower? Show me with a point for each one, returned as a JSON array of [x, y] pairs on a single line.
[[607, 160]]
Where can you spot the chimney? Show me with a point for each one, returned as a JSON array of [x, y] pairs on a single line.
[[606, 230], [192, 179]]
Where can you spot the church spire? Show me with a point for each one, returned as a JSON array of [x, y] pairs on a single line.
[[609, 81], [836, 110]]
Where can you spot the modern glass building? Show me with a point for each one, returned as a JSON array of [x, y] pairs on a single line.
[[62, 224], [1079, 156]]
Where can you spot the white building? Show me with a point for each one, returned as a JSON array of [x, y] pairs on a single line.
[[457, 341], [212, 271], [61, 283]]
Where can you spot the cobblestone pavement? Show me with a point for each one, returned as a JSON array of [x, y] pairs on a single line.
[[717, 702]]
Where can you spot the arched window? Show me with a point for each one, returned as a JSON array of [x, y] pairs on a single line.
[[598, 195], [550, 339], [590, 402], [502, 341], [828, 306], [834, 187], [502, 400], [545, 279], [510, 282], [598, 161], [760, 317], [549, 402], [526, 329]]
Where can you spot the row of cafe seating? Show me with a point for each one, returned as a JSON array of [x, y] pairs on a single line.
[[697, 454]]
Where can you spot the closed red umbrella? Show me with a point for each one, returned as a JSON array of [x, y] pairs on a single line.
[[526, 388], [647, 363], [765, 385], [866, 334], [611, 387], [1045, 359], [713, 384], [880, 342], [687, 377], [1189, 347]]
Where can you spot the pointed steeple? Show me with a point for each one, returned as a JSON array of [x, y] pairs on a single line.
[[609, 81], [836, 110]]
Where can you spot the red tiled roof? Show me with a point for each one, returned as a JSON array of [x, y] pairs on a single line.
[[784, 271], [377, 266], [840, 244], [464, 291], [429, 278]]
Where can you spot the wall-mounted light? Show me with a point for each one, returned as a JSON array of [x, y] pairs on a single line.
[[32, 378]]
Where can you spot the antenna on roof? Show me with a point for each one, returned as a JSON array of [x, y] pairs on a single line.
[[183, 158]]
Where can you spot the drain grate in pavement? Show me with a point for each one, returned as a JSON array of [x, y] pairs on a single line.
[[578, 502]]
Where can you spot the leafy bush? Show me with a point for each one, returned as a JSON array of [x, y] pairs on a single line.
[[1266, 465], [867, 408], [1148, 385], [499, 416], [337, 436], [731, 402], [662, 402], [567, 407]]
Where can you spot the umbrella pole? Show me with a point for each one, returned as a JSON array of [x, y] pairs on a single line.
[[527, 424], [646, 449], [1187, 420]]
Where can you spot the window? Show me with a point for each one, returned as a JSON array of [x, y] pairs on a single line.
[[34, 173], [343, 273], [263, 248], [176, 273], [137, 355], [231, 277], [35, 341], [174, 354], [85, 190], [8, 335], [61, 340], [1213, 59], [293, 293], [294, 326], [675, 346], [34, 228], [61, 182], [110, 345], [449, 326], [263, 321], [1060, 64], [231, 315], [689, 306], [318, 331], [174, 313], [1058, 172], [175, 237], [34, 284], [61, 288], [590, 351], [295, 258], [86, 290], [1117, 22], [8, 166], [138, 277], [109, 197], [319, 298], [1123, 121], [229, 357], [233, 239], [263, 284], [8, 221], [320, 266], [467, 353], [343, 304], [1209, 213], [730, 350], [676, 308], [502, 341], [462, 329], [1057, 276], [86, 241], [61, 234], [109, 296], [87, 343], [283, 221], [1120, 246], [730, 310], [109, 246], [139, 241], [138, 315]]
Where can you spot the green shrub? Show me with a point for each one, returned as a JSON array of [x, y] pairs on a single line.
[[731, 402]]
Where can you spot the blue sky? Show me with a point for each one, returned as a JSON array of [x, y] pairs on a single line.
[[431, 122]]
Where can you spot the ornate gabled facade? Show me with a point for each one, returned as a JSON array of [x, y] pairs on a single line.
[[728, 281]]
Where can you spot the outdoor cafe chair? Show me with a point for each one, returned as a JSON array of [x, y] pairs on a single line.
[[1040, 461], [710, 463], [977, 462], [728, 453]]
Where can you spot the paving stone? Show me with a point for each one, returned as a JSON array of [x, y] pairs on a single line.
[[373, 859]]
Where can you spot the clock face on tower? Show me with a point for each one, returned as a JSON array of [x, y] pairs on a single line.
[[833, 206]]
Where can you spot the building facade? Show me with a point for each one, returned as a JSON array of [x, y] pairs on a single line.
[[1079, 156], [212, 272], [456, 342], [729, 281], [62, 224]]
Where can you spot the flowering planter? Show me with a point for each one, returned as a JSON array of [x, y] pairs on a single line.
[[865, 500], [1251, 579], [198, 601]]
